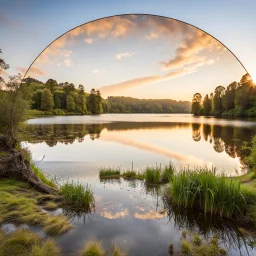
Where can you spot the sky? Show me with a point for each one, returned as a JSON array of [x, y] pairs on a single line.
[[131, 55]]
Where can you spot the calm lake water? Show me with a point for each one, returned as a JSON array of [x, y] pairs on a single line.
[[129, 213]]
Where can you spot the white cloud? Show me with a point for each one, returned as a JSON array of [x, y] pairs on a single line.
[[152, 36], [121, 55], [95, 71], [67, 62], [88, 40]]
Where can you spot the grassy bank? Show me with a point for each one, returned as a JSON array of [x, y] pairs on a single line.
[[21, 204], [24, 243], [213, 194]]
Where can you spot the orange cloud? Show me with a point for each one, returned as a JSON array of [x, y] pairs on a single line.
[[150, 215], [115, 215], [152, 36], [88, 40], [33, 70], [109, 89]]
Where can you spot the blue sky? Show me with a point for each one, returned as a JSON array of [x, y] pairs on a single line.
[[27, 27]]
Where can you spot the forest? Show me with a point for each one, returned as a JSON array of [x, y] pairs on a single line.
[[64, 98], [238, 99]]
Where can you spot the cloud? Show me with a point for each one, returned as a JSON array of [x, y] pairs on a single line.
[[190, 48], [67, 62], [67, 53], [88, 40], [96, 71], [115, 215], [32, 71], [150, 215], [119, 56], [137, 82], [152, 36]]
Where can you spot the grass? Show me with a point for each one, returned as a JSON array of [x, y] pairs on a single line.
[[49, 248], [93, 248], [50, 206], [56, 225], [41, 175], [129, 174], [167, 173], [153, 175], [194, 246], [20, 204], [77, 196], [109, 172], [24, 242], [215, 195], [118, 252]]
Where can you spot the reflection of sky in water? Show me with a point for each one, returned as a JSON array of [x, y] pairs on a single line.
[[146, 143], [128, 213]]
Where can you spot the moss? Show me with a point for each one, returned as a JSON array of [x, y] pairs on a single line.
[[19, 243], [49, 248], [184, 233], [21, 204], [2, 153], [197, 240], [50, 206], [56, 225], [93, 248]]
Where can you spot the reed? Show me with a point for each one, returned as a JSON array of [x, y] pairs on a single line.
[[215, 195], [167, 173], [109, 172], [153, 175], [77, 195]]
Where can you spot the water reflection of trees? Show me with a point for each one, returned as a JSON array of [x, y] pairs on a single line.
[[227, 139]]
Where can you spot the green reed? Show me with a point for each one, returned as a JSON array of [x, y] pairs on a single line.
[[77, 195], [153, 175], [215, 195], [109, 172]]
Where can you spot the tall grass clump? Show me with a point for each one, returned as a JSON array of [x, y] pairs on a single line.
[[109, 172], [214, 195], [153, 175], [93, 248], [77, 195], [167, 173], [130, 174]]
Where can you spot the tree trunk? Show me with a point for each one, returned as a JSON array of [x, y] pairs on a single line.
[[14, 165]]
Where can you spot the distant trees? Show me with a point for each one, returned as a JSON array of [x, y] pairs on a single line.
[[3, 66], [70, 103], [95, 102], [238, 99], [47, 102]]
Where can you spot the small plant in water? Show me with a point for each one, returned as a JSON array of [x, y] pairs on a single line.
[[109, 172], [77, 196], [153, 175], [93, 248]]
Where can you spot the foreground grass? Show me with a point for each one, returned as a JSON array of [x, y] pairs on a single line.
[[20, 204], [93, 248], [194, 245], [77, 196], [26, 243], [212, 194]]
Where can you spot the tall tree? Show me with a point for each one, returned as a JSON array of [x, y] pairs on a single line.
[[47, 101], [217, 100], [196, 103], [71, 106], [50, 84], [207, 105]]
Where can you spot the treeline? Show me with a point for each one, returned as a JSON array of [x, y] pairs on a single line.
[[54, 98], [237, 99], [134, 105]]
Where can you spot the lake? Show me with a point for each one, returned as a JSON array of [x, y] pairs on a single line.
[[127, 212]]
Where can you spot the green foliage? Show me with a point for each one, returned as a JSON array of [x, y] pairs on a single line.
[[47, 101], [153, 175], [13, 107], [167, 173], [77, 196], [109, 172], [70, 103], [214, 195], [238, 99], [93, 248]]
